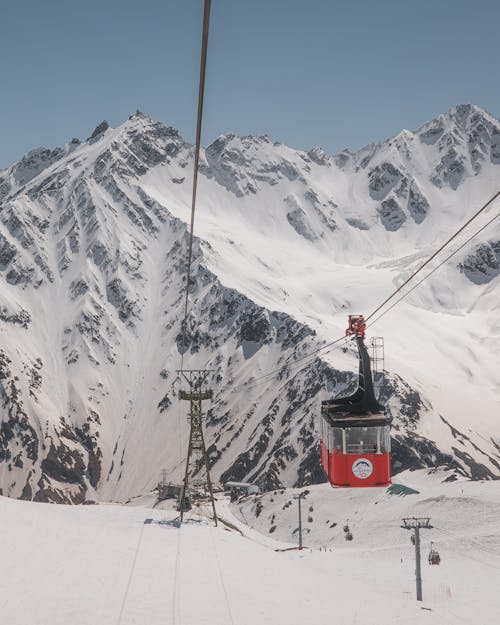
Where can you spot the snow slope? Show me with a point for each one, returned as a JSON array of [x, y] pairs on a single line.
[[102, 564], [92, 261]]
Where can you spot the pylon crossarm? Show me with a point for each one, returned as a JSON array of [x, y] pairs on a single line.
[[412, 522], [196, 395]]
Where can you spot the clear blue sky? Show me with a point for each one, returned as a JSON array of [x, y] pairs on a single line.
[[307, 72]]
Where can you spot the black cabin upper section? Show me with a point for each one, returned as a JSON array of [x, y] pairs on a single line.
[[361, 408]]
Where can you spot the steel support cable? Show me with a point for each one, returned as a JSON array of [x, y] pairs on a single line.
[[258, 380], [199, 120], [440, 249], [475, 545], [201, 93], [263, 378], [328, 345], [131, 575], [289, 361], [475, 542], [435, 268]]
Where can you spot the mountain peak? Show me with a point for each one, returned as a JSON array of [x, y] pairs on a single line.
[[466, 115], [465, 110], [99, 130], [138, 115]]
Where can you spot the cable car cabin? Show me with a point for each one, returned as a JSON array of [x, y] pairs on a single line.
[[355, 443]]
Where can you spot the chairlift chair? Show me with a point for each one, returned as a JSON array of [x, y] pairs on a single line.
[[434, 557]]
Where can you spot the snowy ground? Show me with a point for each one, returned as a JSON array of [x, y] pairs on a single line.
[[100, 565]]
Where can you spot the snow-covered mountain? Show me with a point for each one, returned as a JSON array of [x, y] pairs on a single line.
[[93, 240]]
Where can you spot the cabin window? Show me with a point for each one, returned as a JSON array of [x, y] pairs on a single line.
[[385, 438], [338, 446], [368, 440]]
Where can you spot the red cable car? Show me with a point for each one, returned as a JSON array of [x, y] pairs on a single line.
[[355, 442]]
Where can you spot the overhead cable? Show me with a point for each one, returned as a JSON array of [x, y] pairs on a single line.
[[290, 361], [201, 93], [328, 346], [440, 249], [436, 268]]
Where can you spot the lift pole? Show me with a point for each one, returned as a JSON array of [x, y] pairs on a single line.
[[416, 523], [196, 458], [299, 498]]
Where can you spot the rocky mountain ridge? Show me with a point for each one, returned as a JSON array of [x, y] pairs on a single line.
[[92, 261]]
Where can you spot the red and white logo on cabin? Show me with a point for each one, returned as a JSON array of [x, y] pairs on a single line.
[[362, 468]]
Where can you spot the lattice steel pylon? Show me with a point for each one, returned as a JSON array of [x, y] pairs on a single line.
[[196, 454]]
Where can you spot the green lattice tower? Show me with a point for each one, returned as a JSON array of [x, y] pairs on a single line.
[[196, 458]]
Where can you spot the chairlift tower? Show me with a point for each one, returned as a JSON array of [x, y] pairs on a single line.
[[416, 524], [299, 498], [196, 458]]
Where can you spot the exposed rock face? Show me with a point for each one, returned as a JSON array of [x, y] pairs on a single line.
[[391, 215], [382, 179], [297, 218], [483, 264], [400, 196], [99, 131], [418, 205], [236, 164]]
